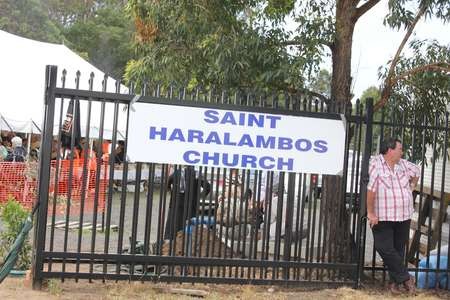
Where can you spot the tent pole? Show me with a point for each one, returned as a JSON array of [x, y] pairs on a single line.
[[37, 127], [7, 124], [29, 140]]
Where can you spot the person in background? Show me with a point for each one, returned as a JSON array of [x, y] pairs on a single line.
[[119, 152], [3, 150], [390, 208], [54, 154], [34, 154], [83, 149], [18, 152], [106, 150], [7, 142], [182, 198]]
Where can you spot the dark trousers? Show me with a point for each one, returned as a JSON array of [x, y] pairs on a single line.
[[390, 240], [177, 216]]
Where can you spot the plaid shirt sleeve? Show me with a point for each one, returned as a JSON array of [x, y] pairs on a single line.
[[373, 175], [412, 169]]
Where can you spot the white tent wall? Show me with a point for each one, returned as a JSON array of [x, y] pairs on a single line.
[[22, 81]]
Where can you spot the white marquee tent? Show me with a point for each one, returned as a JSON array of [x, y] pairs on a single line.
[[22, 80]]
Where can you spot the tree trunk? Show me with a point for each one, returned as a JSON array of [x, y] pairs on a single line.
[[338, 242], [342, 52]]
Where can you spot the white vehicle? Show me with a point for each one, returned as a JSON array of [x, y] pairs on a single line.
[[314, 181]]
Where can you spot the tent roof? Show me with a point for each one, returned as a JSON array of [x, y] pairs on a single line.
[[22, 81]]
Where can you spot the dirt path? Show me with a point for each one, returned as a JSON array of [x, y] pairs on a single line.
[[14, 288]]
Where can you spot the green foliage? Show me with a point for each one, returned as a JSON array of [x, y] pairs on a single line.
[[374, 93], [98, 30], [402, 12], [28, 18], [315, 30], [54, 287], [371, 92], [106, 38], [321, 83], [238, 44], [66, 13], [216, 43], [278, 9], [421, 95], [426, 90], [12, 216], [247, 43]]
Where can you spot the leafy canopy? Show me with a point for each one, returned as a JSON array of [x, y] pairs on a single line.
[[98, 30], [248, 43], [211, 43]]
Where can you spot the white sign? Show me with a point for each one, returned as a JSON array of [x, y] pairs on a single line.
[[188, 135]]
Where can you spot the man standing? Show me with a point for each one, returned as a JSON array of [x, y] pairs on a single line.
[[390, 208], [186, 191]]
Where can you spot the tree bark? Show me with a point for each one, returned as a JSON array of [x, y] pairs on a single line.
[[341, 51], [337, 224], [337, 237]]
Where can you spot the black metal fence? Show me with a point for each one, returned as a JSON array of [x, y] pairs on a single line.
[[136, 221], [104, 218]]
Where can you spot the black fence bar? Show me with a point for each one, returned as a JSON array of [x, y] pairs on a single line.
[[86, 170], [44, 176], [361, 220], [442, 205], [57, 167]]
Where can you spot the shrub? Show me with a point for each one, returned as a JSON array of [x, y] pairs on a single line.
[[12, 216]]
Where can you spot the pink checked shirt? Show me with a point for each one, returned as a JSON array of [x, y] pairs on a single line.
[[393, 195]]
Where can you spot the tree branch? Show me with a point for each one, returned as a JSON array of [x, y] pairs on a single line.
[[387, 83], [293, 90], [298, 43], [438, 67], [311, 93], [364, 8]]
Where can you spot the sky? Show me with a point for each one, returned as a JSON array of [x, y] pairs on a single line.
[[374, 44]]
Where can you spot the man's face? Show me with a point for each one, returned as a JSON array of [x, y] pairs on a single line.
[[396, 153], [83, 143]]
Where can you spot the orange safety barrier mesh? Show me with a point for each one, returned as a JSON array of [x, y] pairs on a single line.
[[18, 180], [14, 183]]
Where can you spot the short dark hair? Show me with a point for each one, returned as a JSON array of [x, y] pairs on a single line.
[[388, 143]]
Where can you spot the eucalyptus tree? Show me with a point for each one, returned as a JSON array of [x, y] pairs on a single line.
[[280, 45], [273, 44]]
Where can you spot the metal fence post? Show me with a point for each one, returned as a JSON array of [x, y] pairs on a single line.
[[361, 226], [44, 176]]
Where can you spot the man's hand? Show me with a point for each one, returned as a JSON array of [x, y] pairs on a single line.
[[413, 183], [373, 219]]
